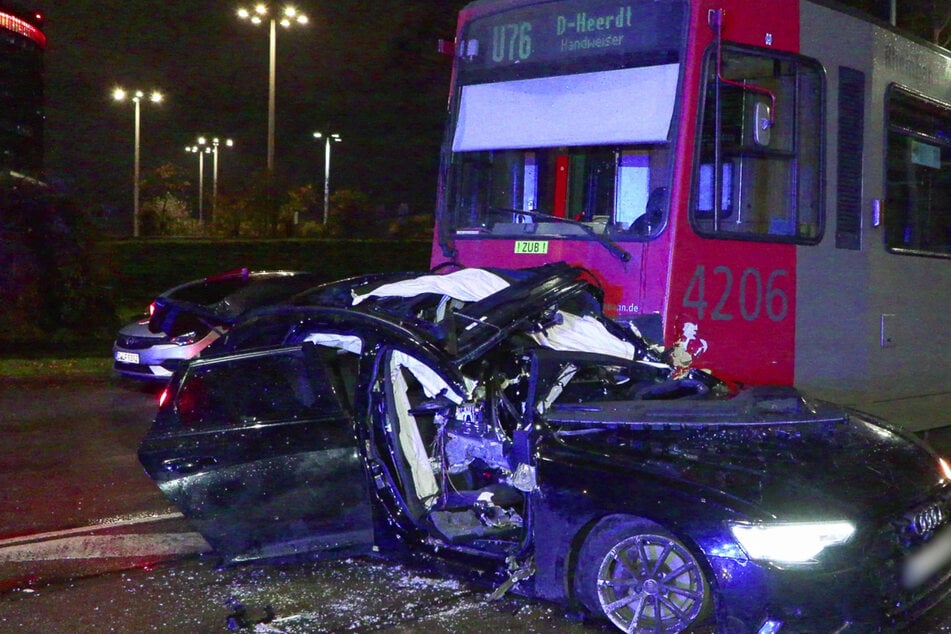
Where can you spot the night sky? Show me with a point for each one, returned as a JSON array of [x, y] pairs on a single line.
[[366, 70]]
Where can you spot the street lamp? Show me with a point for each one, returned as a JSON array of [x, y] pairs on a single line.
[[120, 94], [289, 16], [328, 138], [215, 142], [201, 149]]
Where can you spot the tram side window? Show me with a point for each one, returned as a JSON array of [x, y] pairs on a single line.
[[757, 174], [918, 185]]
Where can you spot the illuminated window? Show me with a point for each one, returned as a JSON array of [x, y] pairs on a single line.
[[15, 24]]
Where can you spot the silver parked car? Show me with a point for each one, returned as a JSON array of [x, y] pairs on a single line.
[[185, 319]]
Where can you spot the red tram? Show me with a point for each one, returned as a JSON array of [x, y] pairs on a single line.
[[764, 187]]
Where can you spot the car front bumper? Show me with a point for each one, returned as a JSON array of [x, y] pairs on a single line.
[[760, 598], [143, 355]]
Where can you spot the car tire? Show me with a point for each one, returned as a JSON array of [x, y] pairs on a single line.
[[641, 578]]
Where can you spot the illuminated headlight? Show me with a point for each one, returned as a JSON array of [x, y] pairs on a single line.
[[185, 340], [790, 543], [945, 468]]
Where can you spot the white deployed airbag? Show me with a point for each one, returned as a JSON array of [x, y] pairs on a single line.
[[467, 285], [584, 334], [350, 343], [411, 444]]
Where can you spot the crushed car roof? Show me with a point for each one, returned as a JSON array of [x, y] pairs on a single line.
[[464, 313]]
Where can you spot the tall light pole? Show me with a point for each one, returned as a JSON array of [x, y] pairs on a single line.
[[215, 142], [328, 138], [201, 149], [288, 17], [120, 94]]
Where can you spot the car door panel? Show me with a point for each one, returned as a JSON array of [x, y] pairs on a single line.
[[256, 482]]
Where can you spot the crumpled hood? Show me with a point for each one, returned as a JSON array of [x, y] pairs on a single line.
[[843, 465]]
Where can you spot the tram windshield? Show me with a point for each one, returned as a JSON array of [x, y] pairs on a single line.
[[566, 109]]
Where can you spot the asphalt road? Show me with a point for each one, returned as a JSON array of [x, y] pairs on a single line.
[[89, 544]]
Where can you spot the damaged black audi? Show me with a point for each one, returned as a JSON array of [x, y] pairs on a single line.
[[497, 417]]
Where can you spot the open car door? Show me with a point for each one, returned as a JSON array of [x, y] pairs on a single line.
[[259, 452]]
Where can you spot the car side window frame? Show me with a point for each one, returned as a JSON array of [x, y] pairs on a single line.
[[255, 388]]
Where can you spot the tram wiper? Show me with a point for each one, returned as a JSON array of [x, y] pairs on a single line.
[[606, 242]]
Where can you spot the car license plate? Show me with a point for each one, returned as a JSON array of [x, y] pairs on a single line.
[[127, 357], [931, 558]]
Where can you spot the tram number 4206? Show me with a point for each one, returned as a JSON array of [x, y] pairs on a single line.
[[749, 295]]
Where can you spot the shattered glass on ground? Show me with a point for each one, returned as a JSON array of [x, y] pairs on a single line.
[[354, 595]]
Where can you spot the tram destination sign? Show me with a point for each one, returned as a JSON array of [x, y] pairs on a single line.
[[582, 30]]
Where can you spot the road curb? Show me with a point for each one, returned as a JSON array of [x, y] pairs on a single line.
[[29, 561]]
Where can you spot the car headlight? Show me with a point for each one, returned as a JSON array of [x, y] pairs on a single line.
[[797, 542], [945, 468]]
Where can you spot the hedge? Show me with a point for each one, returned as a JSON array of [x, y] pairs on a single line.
[[142, 268]]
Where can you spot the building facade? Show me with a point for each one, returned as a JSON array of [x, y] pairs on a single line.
[[22, 44]]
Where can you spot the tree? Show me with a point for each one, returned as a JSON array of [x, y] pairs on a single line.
[[299, 206], [353, 215], [168, 215], [50, 281], [232, 209], [166, 189], [260, 211]]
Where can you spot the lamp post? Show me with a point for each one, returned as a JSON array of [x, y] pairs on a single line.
[[289, 16], [327, 139], [120, 94], [215, 142], [201, 149]]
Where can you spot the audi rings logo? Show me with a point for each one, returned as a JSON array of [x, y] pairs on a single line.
[[928, 519]]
